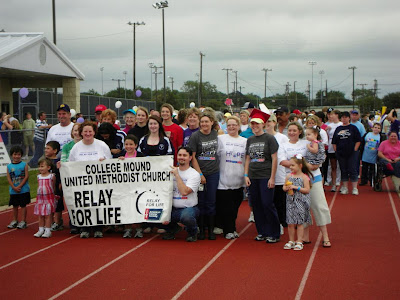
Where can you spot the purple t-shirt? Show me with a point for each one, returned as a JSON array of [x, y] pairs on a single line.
[[186, 135]]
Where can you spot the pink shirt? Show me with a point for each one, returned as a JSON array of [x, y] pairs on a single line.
[[389, 150]]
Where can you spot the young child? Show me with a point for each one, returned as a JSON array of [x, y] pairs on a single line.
[[371, 143], [315, 154], [129, 151], [45, 199], [50, 151], [17, 177], [297, 186]]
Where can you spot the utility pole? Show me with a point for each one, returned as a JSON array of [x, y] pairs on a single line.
[[362, 85], [235, 85], [265, 70], [172, 83], [240, 88], [155, 76], [326, 90], [227, 81], [287, 93], [125, 72], [321, 73], [353, 68], [294, 90], [201, 78], [119, 86]]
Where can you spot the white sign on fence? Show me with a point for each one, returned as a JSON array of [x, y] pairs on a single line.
[[113, 191]]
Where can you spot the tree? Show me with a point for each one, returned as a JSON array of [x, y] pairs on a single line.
[[91, 92], [392, 100], [335, 98]]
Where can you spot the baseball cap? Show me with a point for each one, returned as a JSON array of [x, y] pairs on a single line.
[[130, 110], [100, 107], [282, 109], [345, 114], [354, 111], [64, 107], [259, 116], [330, 109], [227, 114], [248, 105], [297, 112]]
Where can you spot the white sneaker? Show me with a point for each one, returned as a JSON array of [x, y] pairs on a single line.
[[160, 230], [46, 234], [218, 230], [230, 236], [327, 183], [344, 190], [282, 229], [147, 230], [355, 191], [251, 218], [236, 234], [39, 233]]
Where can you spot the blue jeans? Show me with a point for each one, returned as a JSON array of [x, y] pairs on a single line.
[[39, 147], [208, 197], [187, 216], [265, 214], [348, 166]]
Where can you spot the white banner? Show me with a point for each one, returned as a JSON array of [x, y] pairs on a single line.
[[4, 158], [114, 191]]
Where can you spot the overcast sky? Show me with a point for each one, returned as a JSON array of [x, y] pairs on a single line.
[[246, 36]]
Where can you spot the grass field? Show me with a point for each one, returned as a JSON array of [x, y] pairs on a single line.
[[4, 194]]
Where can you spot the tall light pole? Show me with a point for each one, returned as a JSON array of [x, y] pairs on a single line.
[[161, 5], [198, 89], [134, 51], [227, 81], [312, 63], [235, 85], [125, 72], [294, 90], [201, 78], [353, 68], [101, 70], [265, 70], [321, 73]]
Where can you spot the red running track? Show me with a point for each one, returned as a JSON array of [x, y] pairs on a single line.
[[362, 263]]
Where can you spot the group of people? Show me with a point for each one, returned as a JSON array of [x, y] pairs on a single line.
[[278, 161]]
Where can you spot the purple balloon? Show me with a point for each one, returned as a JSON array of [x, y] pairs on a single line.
[[23, 92], [80, 120], [138, 93]]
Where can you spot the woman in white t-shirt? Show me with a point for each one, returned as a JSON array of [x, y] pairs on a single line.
[[232, 155], [89, 149], [319, 205]]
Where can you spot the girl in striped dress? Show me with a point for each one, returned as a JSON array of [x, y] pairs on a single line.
[[45, 199], [297, 188]]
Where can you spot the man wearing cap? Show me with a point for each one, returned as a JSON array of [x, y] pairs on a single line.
[[62, 131], [249, 106], [282, 116], [355, 120], [260, 170], [97, 112]]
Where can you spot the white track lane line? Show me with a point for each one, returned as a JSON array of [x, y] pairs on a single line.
[[36, 252], [10, 209], [184, 289], [312, 257], [11, 230], [101, 269], [396, 215]]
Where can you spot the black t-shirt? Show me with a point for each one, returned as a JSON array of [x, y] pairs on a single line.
[[138, 131], [260, 148], [345, 138]]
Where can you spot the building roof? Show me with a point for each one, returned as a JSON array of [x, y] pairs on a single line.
[[31, 54]]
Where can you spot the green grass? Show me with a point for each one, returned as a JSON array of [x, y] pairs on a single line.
[[4, 194]]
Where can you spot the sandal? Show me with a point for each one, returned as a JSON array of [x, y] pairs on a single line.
[[326, 244], [298, 247], [289, 245], [306, 242]]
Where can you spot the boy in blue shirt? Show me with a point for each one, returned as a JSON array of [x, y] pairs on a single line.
[[17, 177], [371, 142]]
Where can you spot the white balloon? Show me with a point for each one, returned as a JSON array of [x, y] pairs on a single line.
[[192, 104], [134, 108], [118, 104], [73, 112]]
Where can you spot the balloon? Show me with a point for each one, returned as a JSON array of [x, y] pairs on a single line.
[[73, 112], [80, 120], [118, 104], [23, 92], [192, 104], [138, 93], [134, 108]]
